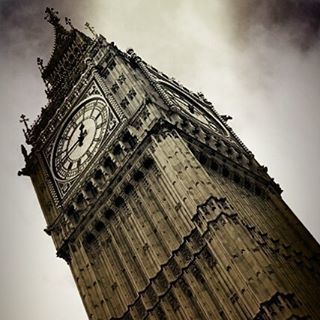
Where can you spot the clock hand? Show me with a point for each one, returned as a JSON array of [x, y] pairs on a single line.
[[82, 134], [81, 128], [81, 137], [68, 153]]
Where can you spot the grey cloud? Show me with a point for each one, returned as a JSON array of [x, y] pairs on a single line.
[[298, 18], [250, 58], [22, 26]]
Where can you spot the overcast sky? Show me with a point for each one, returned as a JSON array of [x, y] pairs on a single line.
[[256, 60]]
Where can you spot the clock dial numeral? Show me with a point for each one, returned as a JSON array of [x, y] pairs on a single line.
[[100, 125], [73, 124], [89, 153], [61, 153]]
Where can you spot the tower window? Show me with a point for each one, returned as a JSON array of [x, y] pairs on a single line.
[[131, 94], [80, 199], [89, 238], [128, 188], [203, 159], [99, 226], [214, 165], [138, 175], [258, 191], [72, 213], [108, 213], [117, 149], [122, 78], [115, 88], [124, 103], [109, 164], [98, 174], [236, 178], [148, 162], [225, 172], [112, 65], [247, 184], [130, 139], [119, 201], [91, 188]]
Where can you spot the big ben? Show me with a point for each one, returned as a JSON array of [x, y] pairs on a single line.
[[152, 199]]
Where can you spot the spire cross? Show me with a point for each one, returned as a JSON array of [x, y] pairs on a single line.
[[24, 120], [91, 29]]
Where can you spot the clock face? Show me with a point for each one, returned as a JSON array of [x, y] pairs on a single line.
[[189, 106], [79, 139]]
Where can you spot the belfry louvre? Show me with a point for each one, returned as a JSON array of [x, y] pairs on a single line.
[[154, 202]]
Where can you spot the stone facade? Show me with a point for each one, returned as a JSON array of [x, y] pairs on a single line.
[[171, 217]]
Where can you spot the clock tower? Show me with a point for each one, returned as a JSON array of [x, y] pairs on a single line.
[[156, 205]]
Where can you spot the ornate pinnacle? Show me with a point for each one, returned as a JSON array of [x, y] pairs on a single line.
[[91, 29], [130, 51], [40, 64], [52, 16]]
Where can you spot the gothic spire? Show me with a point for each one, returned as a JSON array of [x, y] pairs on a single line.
[[69, 44], [63, 38]]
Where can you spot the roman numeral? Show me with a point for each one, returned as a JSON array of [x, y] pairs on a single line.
[[89, 153], [60, 154], [65, 137], [100, 125], [73, 123]]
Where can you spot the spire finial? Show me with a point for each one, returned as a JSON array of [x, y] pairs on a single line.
[[91, 29], [69, 23], [52, 16], [24, 120]]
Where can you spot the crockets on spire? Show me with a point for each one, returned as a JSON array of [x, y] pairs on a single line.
[[69, 43]]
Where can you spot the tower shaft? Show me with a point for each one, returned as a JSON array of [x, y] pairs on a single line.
[[157, 206]]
